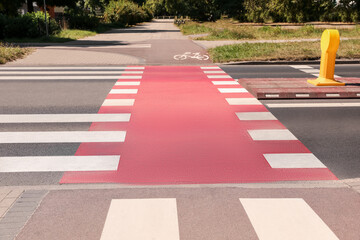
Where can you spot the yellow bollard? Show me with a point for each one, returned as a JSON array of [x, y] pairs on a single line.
[[330, 41]]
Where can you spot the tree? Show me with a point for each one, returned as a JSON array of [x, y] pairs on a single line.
[[10, 7], [59, 3], [157, 7]]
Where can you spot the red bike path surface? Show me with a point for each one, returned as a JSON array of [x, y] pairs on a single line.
[[183, 131]]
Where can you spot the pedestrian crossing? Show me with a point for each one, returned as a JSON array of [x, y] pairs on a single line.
[[270, 218], [68, 73], [183, 115], [124, 76], [309, 70]]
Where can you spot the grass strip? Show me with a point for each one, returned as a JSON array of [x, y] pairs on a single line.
[[291, 51], [10, 53], [62, 36], [227, 30], [67, 35]]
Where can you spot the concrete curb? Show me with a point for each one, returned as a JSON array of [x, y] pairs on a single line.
[[310, 62]]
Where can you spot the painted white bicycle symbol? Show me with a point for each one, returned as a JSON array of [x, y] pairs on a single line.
[[191, 55]]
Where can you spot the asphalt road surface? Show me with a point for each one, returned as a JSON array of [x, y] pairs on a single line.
[[284, 71], [331, 133]]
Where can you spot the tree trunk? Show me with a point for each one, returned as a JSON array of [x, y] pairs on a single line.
[[30, 6]]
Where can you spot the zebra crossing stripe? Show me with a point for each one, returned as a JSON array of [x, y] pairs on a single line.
[[218, 76], [293, 160], [247, 116], [68, 72], [139, 219], [130, 77], [285, 218], [232, 90], [71, 68], [64, 118], [210, 72], [59, 163], [127, 83], [225, 83], [300, 66], [119, 102], [123, 91], [62, 137], [206, 68], [243, 101], [271, 134], [42, 78]]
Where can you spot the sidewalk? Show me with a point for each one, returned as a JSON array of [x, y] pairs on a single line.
[[153, 43]]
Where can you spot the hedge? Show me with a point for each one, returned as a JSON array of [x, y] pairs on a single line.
[[30, 25]]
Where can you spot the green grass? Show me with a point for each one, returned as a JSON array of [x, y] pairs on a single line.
[[227, 30], [62, 36], [194, 28], [348, 49], [10, 53]]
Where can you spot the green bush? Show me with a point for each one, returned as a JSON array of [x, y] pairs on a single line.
[[125, 12], [83, 21], [30, 25]]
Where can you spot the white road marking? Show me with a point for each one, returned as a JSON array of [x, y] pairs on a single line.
[[67, 77], [118, 102], [71, 68], [225, 82], [300, 66], [293, 160], [139, 219], [333, 95], [271, 135], [127, 83], [312, 105], [218, 76], [123, 91], [100, 47], [64, 118], [243, 101], [62, 137], [210, 67], [117, 73], [317, 75], [210, 72], [310, 70], [232, 90], [247, 116], [130, 77], [284, 219], [272, 95], [302, 95], [59, 163]]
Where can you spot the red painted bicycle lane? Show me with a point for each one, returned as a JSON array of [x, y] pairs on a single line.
[[183, 130]]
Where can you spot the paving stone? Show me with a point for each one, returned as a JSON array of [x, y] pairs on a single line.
[[7, 237], [18, 214], [4, 191], [9, 232], [14, 193], [24, 204], [35, 192], [29, 199], [18, 219], [7, 202], [23, 209], [10, 226]]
